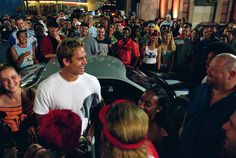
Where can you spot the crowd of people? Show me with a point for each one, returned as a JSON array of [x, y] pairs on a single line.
[[66, 115]]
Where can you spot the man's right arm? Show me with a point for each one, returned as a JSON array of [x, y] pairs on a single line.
[[94, 47], [41, 102]]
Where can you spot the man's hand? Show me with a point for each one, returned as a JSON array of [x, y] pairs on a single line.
[[26, 54], [89, 139], [57, 37], [81, 147]]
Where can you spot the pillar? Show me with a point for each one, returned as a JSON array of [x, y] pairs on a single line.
[[163, 8], [230, 10], [148, 9], [175, 9], [234, 11], [169, 6], [127, 7], [191, 11], [218, 11]]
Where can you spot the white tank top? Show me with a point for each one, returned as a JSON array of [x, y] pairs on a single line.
[[150, 56]]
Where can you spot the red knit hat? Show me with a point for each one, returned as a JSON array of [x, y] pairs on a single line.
[[60, 129], [155, 33]]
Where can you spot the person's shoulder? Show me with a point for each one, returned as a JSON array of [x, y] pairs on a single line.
[[133, 41], [107, 41], [145, 36], [13, 33], [94, 28], [2, 99], [144, 39], [29, 44], [90, 38], [179, 37], [188, 40], [50, 81], [201, 89], [120, 42], [15, 46], [28, 90], [89, 76], [46, 38], [30, 32]]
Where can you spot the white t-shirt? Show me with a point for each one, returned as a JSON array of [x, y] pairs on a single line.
[[150, 56], [78, 96]]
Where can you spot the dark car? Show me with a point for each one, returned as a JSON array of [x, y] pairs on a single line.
[[119, 83], [112, 73]]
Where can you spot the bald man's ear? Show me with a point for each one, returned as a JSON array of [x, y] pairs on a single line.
[[232, 74]]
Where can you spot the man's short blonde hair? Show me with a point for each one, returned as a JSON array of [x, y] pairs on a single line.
[[66, 49]]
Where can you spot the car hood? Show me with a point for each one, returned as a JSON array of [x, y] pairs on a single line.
[[103, 67]]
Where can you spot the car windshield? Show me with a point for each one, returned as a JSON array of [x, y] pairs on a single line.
[[140, 78]]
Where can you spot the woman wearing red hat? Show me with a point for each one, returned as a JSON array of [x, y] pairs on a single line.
[[152, 54]]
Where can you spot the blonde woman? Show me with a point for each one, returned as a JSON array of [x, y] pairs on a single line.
[[168, 48], [152, 54], [125, 128]]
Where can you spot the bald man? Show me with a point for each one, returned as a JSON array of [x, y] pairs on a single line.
[[211, 105]]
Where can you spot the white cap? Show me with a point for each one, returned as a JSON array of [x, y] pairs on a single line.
[[77, 23], [60, 18], [168, 15]]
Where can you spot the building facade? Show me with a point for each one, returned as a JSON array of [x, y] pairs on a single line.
[[194, 11]]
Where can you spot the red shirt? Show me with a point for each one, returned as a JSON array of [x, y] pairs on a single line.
[[46, 45], [127, 51], [181, 36], [151, 150]]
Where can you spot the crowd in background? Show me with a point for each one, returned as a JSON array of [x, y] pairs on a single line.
[[159, 45], [163, 45]]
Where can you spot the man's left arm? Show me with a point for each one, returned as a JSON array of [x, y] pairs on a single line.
[[136, 54], [97, 103], [94, 47]]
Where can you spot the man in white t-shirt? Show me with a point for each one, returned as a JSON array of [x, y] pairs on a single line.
[[70, 88]]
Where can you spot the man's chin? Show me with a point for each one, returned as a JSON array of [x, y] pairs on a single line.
[[81, 73], [209, 81]]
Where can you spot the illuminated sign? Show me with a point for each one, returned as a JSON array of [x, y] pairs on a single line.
[[81, 1]]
